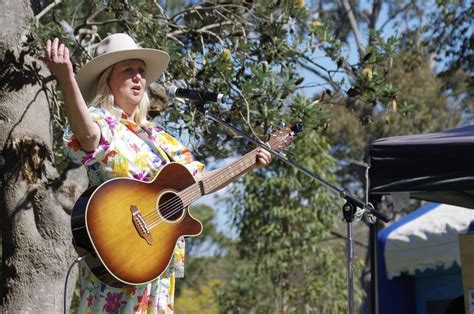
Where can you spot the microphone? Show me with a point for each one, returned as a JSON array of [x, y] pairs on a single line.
[[195, 95]]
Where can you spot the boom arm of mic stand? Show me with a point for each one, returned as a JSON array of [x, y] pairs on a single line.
[[351, 200]]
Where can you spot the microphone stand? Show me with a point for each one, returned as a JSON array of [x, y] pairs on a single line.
[[349, 208]]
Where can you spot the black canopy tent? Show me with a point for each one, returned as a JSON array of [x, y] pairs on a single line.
[[437, 167]]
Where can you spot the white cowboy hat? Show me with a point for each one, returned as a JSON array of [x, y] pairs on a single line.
[[113, 49]]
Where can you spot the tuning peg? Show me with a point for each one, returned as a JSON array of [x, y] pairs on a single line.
[[297, 127], [269, 131]]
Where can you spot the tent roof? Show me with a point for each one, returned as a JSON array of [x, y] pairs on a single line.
[[426, 238], [435, 167]]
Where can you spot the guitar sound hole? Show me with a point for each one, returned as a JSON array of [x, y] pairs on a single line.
[[170, 206]]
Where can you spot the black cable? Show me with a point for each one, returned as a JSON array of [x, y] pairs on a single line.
[[67, 277]]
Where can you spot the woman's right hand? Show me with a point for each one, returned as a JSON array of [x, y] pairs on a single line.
[[56, 57]]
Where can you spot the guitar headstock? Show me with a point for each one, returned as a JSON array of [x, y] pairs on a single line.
[[284, 136]]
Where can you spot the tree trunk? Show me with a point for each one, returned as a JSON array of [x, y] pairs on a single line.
[[35, 200]]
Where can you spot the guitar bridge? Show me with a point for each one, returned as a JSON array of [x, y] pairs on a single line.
[[140, 224]]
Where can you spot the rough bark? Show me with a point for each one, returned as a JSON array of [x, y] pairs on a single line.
[[35, 200]]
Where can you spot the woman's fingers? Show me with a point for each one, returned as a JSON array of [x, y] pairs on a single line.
[[55, 52], [66, 53], [60, 53], [263, 157], [54, 47], [56, 57], [48, 49]]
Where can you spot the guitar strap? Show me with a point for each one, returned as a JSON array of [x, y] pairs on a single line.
[[156, 149]]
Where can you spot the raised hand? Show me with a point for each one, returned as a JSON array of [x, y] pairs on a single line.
[[56, 57]]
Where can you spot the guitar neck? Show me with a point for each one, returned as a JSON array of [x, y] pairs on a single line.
[[226, 174]]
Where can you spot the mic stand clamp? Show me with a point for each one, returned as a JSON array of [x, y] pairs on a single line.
[[349, 209], [348, 212]]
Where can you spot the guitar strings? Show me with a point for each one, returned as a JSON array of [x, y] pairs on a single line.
[[174, 204]]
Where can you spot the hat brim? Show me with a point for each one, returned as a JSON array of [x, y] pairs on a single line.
[[87, 77]]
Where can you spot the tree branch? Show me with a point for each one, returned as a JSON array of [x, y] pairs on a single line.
[[373, 18], [355, 28], [319, 74], [395, 13], [204, 29], [46, 10]]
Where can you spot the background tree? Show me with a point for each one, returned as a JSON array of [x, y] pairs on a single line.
[[35, 199], [450, 39], [386, 75]]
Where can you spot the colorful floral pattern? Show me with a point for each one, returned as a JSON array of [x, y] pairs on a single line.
[[122, 152]]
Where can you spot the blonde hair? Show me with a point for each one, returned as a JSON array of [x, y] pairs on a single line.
[[105, 100]]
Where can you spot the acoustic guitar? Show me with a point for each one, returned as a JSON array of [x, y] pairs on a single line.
[[129, 228]]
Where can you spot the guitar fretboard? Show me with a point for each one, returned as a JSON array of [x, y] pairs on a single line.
[[225, 174]]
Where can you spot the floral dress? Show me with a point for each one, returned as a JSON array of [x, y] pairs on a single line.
[[128, 150]]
